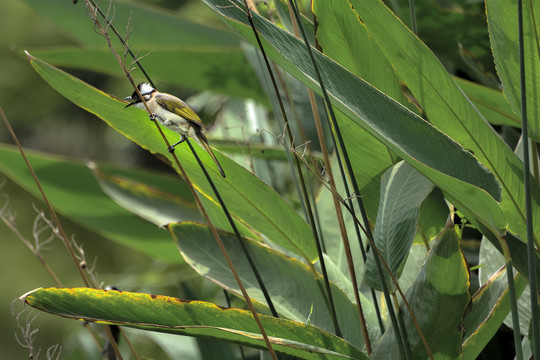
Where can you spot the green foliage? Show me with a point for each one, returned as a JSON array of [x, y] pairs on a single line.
[[161, 313], [417, 138]]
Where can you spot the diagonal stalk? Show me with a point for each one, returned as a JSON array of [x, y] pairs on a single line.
[[63, 235], [305, 195], [56, 220], [92, 6], [347, 191], [339, 214], [404, 351], [531, 250]]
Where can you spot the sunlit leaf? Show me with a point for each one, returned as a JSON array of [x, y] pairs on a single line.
[[490, 305], [449, 110], [247, 198], [439, 298], [403, 189], [295, 292], [195, 318], [436, 156], [75, 193], [503, 28]]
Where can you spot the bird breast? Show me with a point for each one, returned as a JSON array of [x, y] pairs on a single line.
[[171, 120]]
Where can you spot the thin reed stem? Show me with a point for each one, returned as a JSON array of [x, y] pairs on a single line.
[[56, 220], [305, 194], [104, 32], [531, 249], [335, 126]]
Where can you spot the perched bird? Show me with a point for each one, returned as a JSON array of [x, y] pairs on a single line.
[[174, 114]]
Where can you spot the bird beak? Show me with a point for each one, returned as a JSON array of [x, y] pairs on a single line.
[[126, 99]]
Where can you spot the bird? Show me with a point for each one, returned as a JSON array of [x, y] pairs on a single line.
[[174, 114]]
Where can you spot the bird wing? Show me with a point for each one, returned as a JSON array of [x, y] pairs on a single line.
[[180, 108]]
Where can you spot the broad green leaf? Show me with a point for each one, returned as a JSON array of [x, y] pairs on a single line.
[[438, 298], [330, 231], [490, 102], [157, 205], [491, 261], [518, 250], [74, 193], [503, 29], [211, 349], [490, 305], [194, 318], [257, 150], [223, 70], [174, 346], [456, 32], [403, 189], [342, 280], [344, 39], [150, 26], [433, 215], [449, 110], [283, 10], [413, 265], [370, 159], [291, 284], [436, 156], [248, 199]]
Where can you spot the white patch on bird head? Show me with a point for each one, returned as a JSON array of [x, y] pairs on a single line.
[[146, 89]]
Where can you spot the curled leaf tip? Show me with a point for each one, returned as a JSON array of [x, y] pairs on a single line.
[[23, 297], [92, 165], [30, 57], [165, 226]]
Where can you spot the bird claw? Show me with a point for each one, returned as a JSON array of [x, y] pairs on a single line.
[[152, 117], [171, 147]]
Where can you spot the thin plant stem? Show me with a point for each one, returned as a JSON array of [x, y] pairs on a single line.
[[63, 235], [311, 219], [341, 222], [412, 13], [236, 232], [534, 156], [128, 342], [208, 178], [335, 126], [531, 250], [514, 309], [345, 186], [122, 41], [36, 253], [56, 220], [350, 210], [513, 298], [218, 239], [114, 344], [213, 230]]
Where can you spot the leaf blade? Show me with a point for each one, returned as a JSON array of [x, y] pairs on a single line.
[[194, 318]]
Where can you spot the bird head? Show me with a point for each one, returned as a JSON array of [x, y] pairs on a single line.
[[146, 91]]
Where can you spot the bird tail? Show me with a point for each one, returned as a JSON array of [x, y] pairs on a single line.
[[204, 143]]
